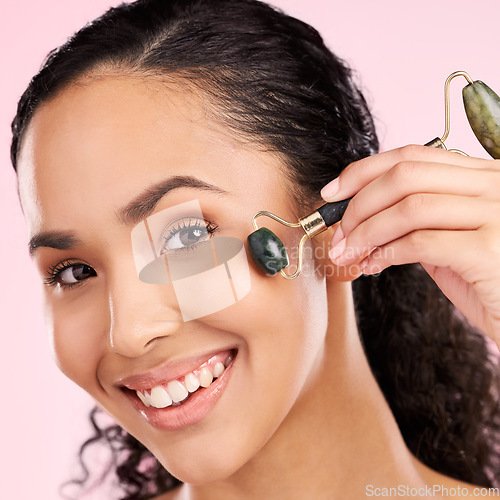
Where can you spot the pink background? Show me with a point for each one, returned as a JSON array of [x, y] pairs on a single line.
[[402, 51]]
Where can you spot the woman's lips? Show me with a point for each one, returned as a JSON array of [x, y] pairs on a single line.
[[185, 400], [169, 371], [177, 390]]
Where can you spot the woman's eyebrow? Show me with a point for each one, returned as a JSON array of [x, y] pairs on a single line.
[[143, 205], [60, 240], [132, 213]]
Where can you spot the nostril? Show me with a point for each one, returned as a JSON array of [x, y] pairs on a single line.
[[133, 333]]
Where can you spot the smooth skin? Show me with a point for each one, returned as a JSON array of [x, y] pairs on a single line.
[[302, 416]]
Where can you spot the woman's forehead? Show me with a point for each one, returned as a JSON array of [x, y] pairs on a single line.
[[101, 142], [115, 122]]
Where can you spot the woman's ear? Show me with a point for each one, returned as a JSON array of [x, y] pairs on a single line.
[[323, 266]]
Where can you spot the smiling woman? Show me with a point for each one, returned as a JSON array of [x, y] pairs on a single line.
[[158, 131]]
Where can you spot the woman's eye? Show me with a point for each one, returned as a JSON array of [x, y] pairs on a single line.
[[76, 273], [186, 234], [66, 274]]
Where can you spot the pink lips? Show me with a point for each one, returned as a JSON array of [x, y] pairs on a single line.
[[194, 409], [170, 371]]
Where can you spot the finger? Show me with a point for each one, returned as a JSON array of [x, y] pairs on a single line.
[[407, 178], [464, 264], [416, 211], [360, 173], [433, 248]]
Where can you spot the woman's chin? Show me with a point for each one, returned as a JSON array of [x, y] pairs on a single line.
[[209, 467]]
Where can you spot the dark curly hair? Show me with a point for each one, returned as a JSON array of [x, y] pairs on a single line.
[[270, 79]]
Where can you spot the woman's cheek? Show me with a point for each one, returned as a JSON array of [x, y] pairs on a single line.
[[289, 319], [77, 335]]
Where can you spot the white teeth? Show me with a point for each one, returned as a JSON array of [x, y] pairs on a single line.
[[143, 398], [191, 382], [160, 397], [177, 391], [206, 377], [218, 369]]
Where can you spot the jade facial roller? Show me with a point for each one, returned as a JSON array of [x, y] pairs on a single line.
[[482, 107], [269, 253]]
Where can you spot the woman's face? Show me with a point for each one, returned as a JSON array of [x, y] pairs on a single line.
[[88, 154]]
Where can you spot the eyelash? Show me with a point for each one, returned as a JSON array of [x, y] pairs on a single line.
[[210, 227], [54, 272]]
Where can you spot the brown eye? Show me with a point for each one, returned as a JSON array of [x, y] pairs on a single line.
[[75, 274]]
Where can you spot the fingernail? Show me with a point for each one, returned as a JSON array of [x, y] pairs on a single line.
[[336, 251], [330, 190]]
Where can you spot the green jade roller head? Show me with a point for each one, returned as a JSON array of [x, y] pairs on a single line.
[[482, 107], [268, 251]]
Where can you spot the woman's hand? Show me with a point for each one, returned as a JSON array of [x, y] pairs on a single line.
[[420, 204]]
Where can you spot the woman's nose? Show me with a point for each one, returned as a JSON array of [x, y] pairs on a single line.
[[140, 313]]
